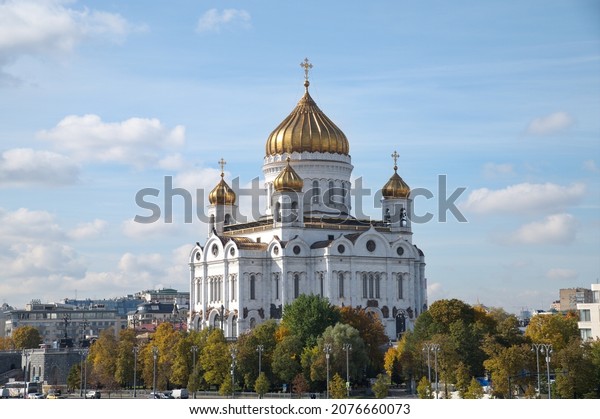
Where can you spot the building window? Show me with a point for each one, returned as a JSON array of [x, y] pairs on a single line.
[[341, 285], [371, 283], [400, 287], [364, 281], [377, 281], [586, 334], [234, 327], [252, 287], [277, 286], [321, 284], [316, 191], [233, 287], [296, 285], [584, 316], [331, 192]]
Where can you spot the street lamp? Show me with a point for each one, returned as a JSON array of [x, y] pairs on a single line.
[[536, 347], [327, 350], [432, 347], [84, 354], [260, 349], [547, 350], [135, 354], [347, 347], [233, 356], [194, 350], [155, 356]]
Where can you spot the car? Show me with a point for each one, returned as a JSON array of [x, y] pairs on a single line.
[[92, 394], [159, 395], [180, 393], [36, 396]]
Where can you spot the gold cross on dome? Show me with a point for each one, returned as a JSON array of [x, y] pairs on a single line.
[[395, 156], [222, 163], [307, 66]]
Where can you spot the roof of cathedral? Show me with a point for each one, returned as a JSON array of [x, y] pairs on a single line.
[[222, 194], [288, 179], [395, 187], [307, 128]]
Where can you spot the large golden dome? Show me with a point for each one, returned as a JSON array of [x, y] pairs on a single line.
[[395, 187], [307, 128], [288, 180]]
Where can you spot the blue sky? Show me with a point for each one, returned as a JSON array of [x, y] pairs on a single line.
[[99, 99]]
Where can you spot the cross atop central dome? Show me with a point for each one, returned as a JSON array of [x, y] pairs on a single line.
[[307, 129]]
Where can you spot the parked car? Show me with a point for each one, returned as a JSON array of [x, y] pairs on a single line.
[[36, 396], [180, 393], [92, 394]]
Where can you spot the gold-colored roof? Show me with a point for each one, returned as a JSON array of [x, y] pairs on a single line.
[[222, 194], [395, 187], [307, 128], [288, 179]]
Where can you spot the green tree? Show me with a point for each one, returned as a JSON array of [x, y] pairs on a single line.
[[308, 316], [125, 357], [338, 336], [507, 364], [577, 377], [463, 379], [424, 389], [300, 385], [371, 331], [6, 343], [26, 337], [262, 385], [74, 377], [381, 386], [215, 359], [247, 345], [286, 358], [164, 339], [337, 387], [474, 391]]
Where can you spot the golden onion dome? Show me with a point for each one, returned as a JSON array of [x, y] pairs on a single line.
[[395, 187], [222, 194], [288, 180], [307, 128]]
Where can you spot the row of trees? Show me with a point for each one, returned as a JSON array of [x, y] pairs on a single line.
[[474, 342], [471, 342]]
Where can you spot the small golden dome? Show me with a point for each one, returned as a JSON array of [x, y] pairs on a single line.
[[395, 187], [222, 194], [288, 180], [307, 128]]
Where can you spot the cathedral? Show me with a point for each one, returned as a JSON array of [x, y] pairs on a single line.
[[307, 242]]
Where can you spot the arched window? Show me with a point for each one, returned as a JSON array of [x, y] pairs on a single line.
[[252, 323], [316, 191], [341, 285], [252, 287], [234, 327], [371, 283], [344, 193], [331, 192], [377, 281], [278, 212], [400, 287], [364, 281], [294, 211], [276, 278], [321, 284], [227, 219], [296, 285], [217, 321]]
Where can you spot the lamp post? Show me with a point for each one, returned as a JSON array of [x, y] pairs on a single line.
[[155, 356], [547, 350], [233, 356], [135, 354], [536, 347], [26, 355], [347, 347], [85, 352], [82, 353], [260, 349], [327, 350], [432, 347], [194, 350]]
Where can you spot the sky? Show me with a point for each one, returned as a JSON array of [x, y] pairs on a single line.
[[102, 99]]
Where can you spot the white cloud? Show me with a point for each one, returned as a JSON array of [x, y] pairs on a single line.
[[88, 230], [28, 167], [562, 274], [213, 20], [49, 27], [156, 229], [554, 229], [546, 197], [591, 166], [172, 162], [24, 225], [135, 141], [550, 124], [494, 170]]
